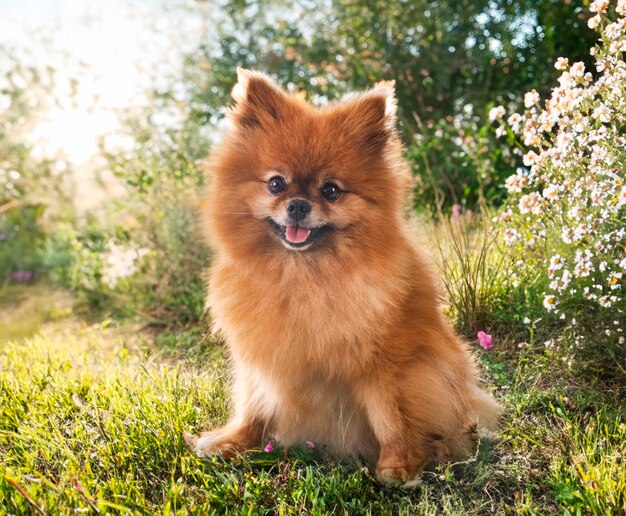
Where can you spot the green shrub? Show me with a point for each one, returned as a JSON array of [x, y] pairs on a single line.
[[29, 186], [21, 238], [457, 161], [147, 255]]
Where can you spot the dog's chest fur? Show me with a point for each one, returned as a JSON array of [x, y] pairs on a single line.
[[303, 320]]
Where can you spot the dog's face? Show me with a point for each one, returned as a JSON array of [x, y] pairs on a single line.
[[303, 210], [305, 179]]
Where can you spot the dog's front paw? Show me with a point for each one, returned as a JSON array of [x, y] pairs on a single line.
[[399, 477], [207, 445], [394, 468], [396, 476]]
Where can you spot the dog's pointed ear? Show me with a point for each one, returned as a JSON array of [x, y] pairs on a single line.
[[371, 116], [258, 101]]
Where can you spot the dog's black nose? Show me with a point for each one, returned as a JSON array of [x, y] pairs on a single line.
[[297, 209]]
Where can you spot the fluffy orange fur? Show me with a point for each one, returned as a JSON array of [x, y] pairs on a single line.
[[340, 342]]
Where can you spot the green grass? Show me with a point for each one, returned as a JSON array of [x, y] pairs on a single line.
[[91, 418], [24, 311]]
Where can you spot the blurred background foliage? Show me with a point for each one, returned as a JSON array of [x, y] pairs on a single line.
[[28, 185], [140, 250], [451, 61]]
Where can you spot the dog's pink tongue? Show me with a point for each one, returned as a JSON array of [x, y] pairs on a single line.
[[297, 235]]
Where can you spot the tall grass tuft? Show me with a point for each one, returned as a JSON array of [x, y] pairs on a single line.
[[474, 270]]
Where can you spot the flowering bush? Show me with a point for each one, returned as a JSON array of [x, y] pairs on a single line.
[[567, 209]]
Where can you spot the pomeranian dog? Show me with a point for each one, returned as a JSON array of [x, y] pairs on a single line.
[[329, 311]]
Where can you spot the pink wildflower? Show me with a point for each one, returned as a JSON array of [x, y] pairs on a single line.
[[310, 444], [485, 340], [269, 447], [456, 212]]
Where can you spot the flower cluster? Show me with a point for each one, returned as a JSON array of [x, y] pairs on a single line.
[[571, 197], [120, 262]]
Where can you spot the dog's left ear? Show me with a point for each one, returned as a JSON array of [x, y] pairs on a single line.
[[258, 101], [371, 116]]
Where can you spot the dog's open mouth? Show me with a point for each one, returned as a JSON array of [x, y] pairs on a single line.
[[298, 237]]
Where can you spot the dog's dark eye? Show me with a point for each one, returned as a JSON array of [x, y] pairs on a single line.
[[330, 192], [276, 185]]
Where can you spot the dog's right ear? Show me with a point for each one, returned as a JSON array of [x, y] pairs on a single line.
[[258, 101], [369, 118]]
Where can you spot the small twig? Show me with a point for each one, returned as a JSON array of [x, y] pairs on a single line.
[[23, 492], [78, 487], [11, 204]]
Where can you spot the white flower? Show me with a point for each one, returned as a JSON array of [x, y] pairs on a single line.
[[515, 183], [567, 235], [583, 264], [577, 69], [531, 98], [504, 216], [515, 121], [566, 278], [549, 302], [605, 302], [574, 212], [496, 113], [614, 278], [613, 30], [530, 158], [599, 6], [621, 200], [531, 203], [551, 192], [594, 21], [556, 262], [562, 63], [510, 236]]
